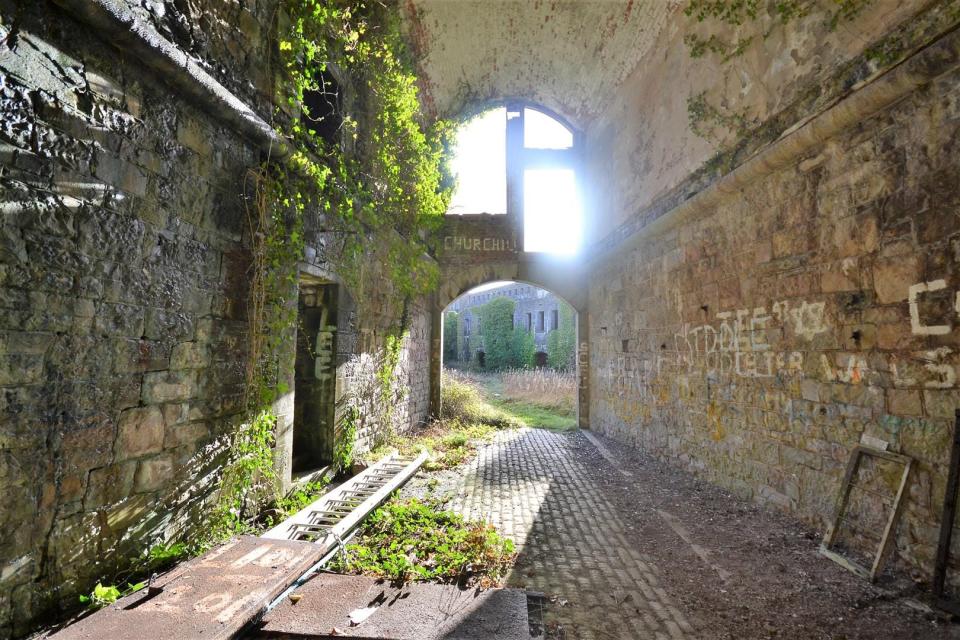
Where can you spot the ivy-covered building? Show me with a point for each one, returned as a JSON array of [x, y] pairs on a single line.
[[536, 312]]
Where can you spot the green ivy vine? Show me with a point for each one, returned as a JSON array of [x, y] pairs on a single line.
[[766, 15], [377, 186], [761, 18]]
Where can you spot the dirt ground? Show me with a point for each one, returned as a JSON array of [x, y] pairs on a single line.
[[779, 586], [732, 569]]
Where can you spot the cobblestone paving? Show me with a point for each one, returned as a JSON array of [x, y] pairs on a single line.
[[572, 546]]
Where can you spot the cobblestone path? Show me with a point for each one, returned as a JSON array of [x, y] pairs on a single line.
[[572, 545]]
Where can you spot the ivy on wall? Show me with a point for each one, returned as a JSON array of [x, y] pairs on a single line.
[[762, 16], [728, 29], [370, 173]]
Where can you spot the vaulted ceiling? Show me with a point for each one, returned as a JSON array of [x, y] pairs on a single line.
[[570, 56]]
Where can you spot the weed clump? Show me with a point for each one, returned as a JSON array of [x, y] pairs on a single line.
[[416, 541], [461, 401]]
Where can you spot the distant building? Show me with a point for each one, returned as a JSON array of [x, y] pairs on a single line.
[[537, 311]]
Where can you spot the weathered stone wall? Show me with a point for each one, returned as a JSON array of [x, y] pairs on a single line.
[[406, 404], [123, 295], [755, 344], [123, 287], [643, 144]]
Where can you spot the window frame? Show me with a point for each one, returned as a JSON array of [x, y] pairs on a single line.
[[520, 159]]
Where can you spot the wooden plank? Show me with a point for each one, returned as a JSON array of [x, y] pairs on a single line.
[[888, 531], [843, 499], [214, 596], [949, 514]]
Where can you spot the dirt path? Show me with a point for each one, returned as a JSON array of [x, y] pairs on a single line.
[[638, 550]]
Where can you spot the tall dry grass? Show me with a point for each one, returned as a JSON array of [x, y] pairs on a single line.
[[462, 401], [544, 387]]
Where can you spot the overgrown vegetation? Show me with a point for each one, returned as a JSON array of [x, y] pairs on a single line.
[[467, 421], [562, 341], [371, 175], [298, 498], [451, 343], [541, 398], [764, 16], [414, 540], [158, 558], [506, 346], [496, 327], [363, 169]]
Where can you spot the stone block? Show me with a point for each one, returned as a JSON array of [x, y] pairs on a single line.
[[163, 325], [192, 135], [941, 403], [85, 449], [810, 390], [168, 386], [126, 513], [904, 402], [189, 355], [153, 473], [799, 457], [108, 485], [892, 277], [141, 432], [20, 368], [119, 319], [187, 434]]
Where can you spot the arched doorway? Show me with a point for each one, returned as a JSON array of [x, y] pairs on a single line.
[[528, 157], [545, 330]]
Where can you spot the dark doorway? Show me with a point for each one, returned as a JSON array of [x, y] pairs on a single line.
[[315, 380], [540, 359]]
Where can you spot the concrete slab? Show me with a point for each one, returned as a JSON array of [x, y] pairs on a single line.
[[213, 596], [410, 612]]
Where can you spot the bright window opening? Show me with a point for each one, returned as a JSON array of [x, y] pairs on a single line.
[[551, 209], [541, 170], [480, 164], [540, 131]]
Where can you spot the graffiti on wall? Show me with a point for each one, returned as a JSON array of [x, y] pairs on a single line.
[[739, 342], [918, 324]]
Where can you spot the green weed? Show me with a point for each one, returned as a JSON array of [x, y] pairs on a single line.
[[416, 541]]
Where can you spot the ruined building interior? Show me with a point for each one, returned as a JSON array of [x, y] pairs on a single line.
[[230, 229]]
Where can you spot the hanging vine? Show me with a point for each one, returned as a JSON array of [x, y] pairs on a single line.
[[760, 19], [369, 174]]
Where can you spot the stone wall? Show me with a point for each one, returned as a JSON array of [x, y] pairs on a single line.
[[755, 343], [123, 294]]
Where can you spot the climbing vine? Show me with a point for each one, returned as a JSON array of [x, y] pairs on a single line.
[[388, 182], [764, 16], [367, 173], [759, 19]]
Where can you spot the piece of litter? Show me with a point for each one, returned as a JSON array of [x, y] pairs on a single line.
[[359, 615], [295, 597]]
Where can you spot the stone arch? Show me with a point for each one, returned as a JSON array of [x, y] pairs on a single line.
[[563, 278]]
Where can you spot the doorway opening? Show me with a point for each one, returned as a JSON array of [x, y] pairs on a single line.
[[315, 377]]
